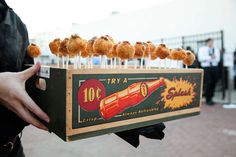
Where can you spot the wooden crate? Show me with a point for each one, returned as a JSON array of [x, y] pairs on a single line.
[[90, 102]]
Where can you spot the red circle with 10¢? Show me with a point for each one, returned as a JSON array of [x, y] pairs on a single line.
[[90, 93]]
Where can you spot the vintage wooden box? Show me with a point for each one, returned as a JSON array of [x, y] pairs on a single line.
[[91, 102]]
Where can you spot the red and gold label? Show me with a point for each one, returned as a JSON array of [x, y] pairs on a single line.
[[178, 93]]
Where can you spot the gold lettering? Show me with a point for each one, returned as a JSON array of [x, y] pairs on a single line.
[[125, 80]]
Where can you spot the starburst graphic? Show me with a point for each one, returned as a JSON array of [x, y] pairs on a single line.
[[178, 93]]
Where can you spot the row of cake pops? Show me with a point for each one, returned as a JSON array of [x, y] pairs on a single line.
[[119, 53]]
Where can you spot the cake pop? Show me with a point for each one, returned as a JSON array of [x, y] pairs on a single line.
[[102, 46], [139, 53], [63, 49], [33, 51], [54, 47], [89, 49], [113, 53], [152, 48], [75, 45], [189, 58], [178, 55], [162, 52], [125, 51]]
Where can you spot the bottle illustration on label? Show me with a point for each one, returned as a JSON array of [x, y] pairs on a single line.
[[136, 93]]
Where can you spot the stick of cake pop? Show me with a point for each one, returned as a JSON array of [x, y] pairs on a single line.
[[141, 64], [91, 60], [100, 61], [126, 63], [104, 62], [75, 61], [135, 63], [63, 62], [58, 60], [79, 61], [67, 61], [33, 51], [148, 61], [169, 59], [115, 59], [111, 63], [119, 63]]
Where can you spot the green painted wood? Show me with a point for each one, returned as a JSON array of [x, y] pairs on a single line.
[[53, 100]]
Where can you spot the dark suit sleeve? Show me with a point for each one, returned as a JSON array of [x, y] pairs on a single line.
[[152, 132]]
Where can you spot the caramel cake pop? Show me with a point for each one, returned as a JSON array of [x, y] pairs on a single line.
[[63, 46], [102, 46], [139, 53], [113, 55], [89, 49], [33, 51], [125, 51], [54, 48], [152, 48], [178, 54], [188, 59], [89, 46], [139, 50], [63, 49], [147, 49], [84, 52], [146, 54], [75, 45], [169, 56], [113, 51], [162, 52]]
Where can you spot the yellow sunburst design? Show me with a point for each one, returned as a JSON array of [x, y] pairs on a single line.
[[178, 93]]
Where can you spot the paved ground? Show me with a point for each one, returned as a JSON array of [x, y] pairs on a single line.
[[212, 134]]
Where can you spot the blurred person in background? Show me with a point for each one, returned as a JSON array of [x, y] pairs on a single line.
[[209, 58]]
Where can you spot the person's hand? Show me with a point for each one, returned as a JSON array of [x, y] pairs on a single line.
[[14, 96]]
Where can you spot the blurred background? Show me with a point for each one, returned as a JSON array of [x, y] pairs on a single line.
[[177, 23]]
